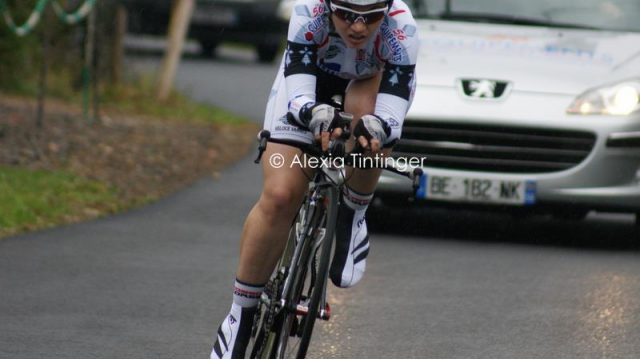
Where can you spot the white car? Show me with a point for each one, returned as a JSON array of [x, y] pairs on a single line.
[[525, 104]]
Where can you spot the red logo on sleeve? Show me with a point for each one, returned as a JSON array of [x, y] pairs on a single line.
[[400, 35], [308, 35]]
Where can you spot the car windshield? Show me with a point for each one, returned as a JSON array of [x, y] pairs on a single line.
[[616, 15]]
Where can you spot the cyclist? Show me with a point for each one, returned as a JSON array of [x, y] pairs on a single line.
[[364, 50]]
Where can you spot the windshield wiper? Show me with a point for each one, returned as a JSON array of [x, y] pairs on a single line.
[[509, 19]]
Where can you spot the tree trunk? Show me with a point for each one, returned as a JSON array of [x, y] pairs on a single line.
[[180, 18]]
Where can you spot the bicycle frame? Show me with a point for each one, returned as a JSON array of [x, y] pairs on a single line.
[[327, 179]]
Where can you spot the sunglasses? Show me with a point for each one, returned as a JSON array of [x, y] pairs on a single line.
[[350, 16]]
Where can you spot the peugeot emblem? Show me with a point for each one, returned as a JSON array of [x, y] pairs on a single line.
[[483, 88]]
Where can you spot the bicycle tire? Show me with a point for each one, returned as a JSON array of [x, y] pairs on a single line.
[[262, 348], [300, 274], [323, 271], [267, 348]]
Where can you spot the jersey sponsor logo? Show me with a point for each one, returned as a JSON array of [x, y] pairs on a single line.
[[318, 10], [391, 40], [393, 123], [286, 125], [232, 319], [308, 35], [317, 24], [294, 106], [289, 128], [399, 34]]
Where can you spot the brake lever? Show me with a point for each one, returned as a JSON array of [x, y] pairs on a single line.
[[345, 125], [337, 147], [263, 137]]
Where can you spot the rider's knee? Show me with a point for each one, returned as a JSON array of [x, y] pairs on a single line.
[[361, 96], [279, 200], [364, 105]]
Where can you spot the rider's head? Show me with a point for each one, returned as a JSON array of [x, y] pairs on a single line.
[[356, 20]]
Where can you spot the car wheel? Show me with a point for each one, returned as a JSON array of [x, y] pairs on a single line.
[[208, 48], [267, 53]]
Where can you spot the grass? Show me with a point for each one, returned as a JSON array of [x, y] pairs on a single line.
[[40, 199], [138, 97], [134, 97], [32, 200]]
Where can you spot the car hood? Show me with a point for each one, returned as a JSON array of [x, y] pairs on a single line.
[[538, 59]]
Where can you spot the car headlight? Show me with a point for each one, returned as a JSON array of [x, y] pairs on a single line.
[[620, 99]]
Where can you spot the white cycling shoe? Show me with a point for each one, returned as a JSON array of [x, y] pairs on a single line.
[[234, 334], [352, 247]]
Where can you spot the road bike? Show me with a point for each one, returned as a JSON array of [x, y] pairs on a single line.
[[296, 295]]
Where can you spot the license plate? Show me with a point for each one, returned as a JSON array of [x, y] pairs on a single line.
[[216, 16], [478, 190]]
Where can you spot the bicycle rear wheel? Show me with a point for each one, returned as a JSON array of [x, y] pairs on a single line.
[[307, 296]]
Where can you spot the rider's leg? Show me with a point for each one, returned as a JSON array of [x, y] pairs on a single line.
[[360, 100], [352, 239], [267, 226], [263, 240]]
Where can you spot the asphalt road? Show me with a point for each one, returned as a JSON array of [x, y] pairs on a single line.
[[155, 282]]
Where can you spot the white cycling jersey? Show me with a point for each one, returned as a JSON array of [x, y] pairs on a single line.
[[315, 49]]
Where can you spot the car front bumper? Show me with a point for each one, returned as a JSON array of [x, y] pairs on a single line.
[[607, 178]]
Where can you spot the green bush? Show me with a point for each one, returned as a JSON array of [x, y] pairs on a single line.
[[21, 57], [18, 55]]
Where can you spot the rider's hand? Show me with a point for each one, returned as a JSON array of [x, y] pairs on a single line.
[[372, 132], [323, 120]]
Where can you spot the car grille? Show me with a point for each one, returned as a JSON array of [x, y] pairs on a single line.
[[493, 148]]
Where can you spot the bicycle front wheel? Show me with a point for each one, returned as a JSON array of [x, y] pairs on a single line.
[[307, 295]]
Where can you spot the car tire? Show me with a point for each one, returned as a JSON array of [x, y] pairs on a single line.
[[208, 48], [267, 53]]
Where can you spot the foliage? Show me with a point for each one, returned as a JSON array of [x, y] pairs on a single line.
[[61, 45], [37, 199], [17, 54]]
